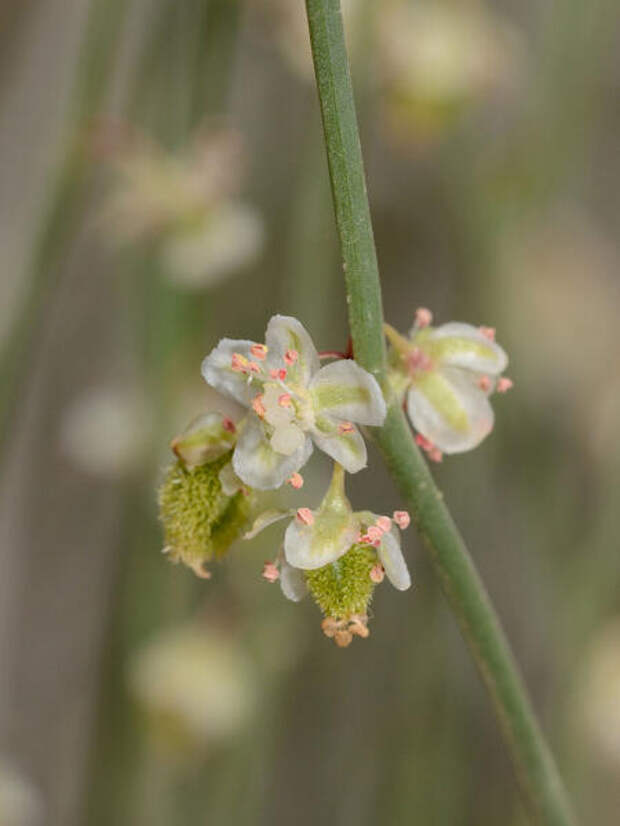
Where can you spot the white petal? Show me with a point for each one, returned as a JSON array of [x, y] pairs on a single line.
[[286, 333], [345, 390], [449, 408], [230, 482], [292, 582], [204, 440], [264, 520], [327, 539], [287, 439], [461, 345], [258, 464], [348, 449], [393, 561], [217, 371]]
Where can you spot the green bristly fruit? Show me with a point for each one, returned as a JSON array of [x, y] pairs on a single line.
[[200, 520], [344, 588]]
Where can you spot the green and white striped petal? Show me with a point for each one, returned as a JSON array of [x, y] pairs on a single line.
[[392, 559], [258, 464], [448, 408], [461, 345], [217, 370], [347, 448], [285, 334], [312, 546], [345, 390]]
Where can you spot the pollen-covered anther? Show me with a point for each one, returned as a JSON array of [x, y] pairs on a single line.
[[290, 357], [305, 516], [433, 452], [488, 332], [258, 405], [239, 363], [384, 523], [504, 384], [229, 425], [343, 638], [270, 572], [423, 317], [377, 573], [285, 400], [346, 427], [276, 373], [374, 533], [358, 624], [296, 481], [419, 360], [253, 367], [402, 519], [330, 626], [484, 383], [259, 351]]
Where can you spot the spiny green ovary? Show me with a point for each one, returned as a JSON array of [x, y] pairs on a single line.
[[344, 587], [200, 521]]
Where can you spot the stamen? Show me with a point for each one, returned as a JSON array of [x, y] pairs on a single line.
[[259, 351], [285, 400], [402, 519], [270, 572], [384, 523], [229, 425], [433, 453], [290, 357], [417, 359], [305, 516], [484, 383], [331, 625], [423, 317], [296, 481], [346, 427], [238, 363], [343, 638], [374, 533], [488, 332], [278, 374], [504, 384], [358, 625], [258, 406], [254, 367], [377, 573]]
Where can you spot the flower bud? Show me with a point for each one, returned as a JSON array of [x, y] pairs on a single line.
[[207, 438], [200, 520]]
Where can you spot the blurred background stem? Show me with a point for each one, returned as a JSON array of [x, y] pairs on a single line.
[[536, 771], [60, 216]]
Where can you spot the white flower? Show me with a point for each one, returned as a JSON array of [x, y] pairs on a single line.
[[316, 538], [294, 402], [447, 374]]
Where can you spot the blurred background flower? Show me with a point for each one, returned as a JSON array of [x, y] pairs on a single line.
[[163, 184]]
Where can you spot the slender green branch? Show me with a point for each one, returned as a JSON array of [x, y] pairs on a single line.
[[538, 777]]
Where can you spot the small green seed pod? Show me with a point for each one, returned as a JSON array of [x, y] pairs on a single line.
[[200, 520], [343, 591]]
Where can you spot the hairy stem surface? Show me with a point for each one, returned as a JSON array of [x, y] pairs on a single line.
[[538, 777]]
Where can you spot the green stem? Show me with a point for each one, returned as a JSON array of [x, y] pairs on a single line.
[[536, 772]]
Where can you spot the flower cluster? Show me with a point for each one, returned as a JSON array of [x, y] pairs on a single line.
[[293, 404], [445, 375]]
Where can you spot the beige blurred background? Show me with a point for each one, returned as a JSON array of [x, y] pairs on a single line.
[[133, 237]]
